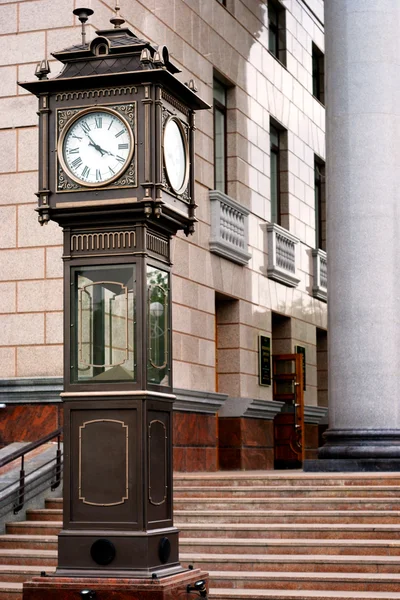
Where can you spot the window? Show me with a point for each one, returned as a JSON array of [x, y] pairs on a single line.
[[219, 136], [276, 30], [320, 204], [318, 74], [275, 187]]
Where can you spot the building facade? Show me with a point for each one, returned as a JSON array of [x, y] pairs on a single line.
[[255, 268]]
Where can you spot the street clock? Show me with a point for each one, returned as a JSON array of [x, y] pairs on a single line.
[[116, 171]]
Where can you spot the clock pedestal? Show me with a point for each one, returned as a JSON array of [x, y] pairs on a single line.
[[63, 588], [116, 172]]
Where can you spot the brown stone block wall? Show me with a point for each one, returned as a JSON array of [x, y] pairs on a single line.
[[28, 422], [195, 442], [312, 441], [245, 444]]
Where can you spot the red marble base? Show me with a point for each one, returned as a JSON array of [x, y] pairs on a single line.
[[246, 444], [28, 422], [69, 588], [311, 439], [195, 442]]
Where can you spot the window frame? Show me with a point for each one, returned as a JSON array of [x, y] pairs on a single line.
[[222, 109], [318, 74], [275, 150], [319, 200], [279, 29]]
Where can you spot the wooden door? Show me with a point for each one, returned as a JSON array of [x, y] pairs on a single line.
[[288, 378]]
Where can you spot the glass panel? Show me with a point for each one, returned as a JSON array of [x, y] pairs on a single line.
[[317, 196], [219, 92], [274, 136], [220, 152], [274, 186], [103, 319], [158, 363]]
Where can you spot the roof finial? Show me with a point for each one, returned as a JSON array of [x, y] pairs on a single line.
[[83, 14], [117, 20]]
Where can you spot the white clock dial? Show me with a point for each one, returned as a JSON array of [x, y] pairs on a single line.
[[97, 147], [175, 155]]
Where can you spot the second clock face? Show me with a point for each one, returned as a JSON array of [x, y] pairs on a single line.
[[97, 147]]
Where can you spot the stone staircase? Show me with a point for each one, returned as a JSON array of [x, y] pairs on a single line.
[[261, 535]]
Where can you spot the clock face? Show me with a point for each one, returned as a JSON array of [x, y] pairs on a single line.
[[176, 155], [97, 147]]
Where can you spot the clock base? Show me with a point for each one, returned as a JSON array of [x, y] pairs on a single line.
[[70, 588]]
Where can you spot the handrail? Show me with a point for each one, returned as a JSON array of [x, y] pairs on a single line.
[[32, 446], [21, 490]]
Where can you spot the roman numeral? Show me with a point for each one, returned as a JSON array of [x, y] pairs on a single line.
[[86, 171], [120, 133], [120, 159], [111, 171], [85, 126], [99, 122], [111, 122], [123, 146], [98, 175], [77, 162], [73, 151]]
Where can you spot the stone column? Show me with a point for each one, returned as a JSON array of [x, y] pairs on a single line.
[[363, 185]]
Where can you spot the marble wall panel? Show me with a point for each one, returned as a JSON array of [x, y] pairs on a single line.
[[28, 423]]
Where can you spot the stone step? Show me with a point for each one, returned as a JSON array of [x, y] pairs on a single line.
[[286, 478], [25, 556], [291, 546], [21, 573], [295, 562], [241, 530], [285, 491], [34, 527], [254, 594], [33, 542], [287, 516], [290, 530], [44, 514], [10, 591], [55, 503], [309, 504], [275, 580]]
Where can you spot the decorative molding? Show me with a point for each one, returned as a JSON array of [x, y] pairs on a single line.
[[90, 94], [320, 269], [282, 255], [254, 408], [125, 496], [315, 414], [31, 390], [106, 240], [156, 244], [229, 228], [198, 401], [151, 500], [175, 103]]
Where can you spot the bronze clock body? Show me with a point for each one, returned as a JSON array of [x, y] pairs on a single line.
[[110, 126]]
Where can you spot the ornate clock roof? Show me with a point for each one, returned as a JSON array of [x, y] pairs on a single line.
[[114, 55], [113, 50]]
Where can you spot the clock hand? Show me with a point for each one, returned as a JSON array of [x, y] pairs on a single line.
[[95, 146]]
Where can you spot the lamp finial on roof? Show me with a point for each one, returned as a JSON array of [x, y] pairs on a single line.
[[117, 20]]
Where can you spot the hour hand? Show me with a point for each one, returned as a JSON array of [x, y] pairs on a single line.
[[95, 146]]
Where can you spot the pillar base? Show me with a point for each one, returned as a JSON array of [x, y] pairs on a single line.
[[358, 450], [69, 588], [367, 465]]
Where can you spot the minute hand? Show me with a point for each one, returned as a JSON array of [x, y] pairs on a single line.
[[96, 146]]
